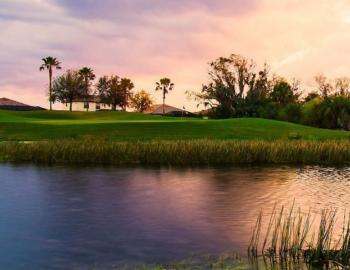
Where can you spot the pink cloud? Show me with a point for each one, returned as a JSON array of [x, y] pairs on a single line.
[[148, 40]]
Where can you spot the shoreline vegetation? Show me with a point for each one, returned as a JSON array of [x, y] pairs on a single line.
[[319, 238], [122, 138], [178, 152], [226, 261]]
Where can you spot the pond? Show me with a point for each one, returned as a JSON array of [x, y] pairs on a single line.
[[79, 218]]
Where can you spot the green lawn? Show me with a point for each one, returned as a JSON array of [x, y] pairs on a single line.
[[43, 125]]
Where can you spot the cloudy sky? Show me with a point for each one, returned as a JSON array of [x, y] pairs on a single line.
[[149, 39]]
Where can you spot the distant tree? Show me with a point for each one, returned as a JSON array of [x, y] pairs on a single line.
[[292, 112], [324, 86], [115, 91], [258, 94], [342, 86], [141, 101], [49, 63], [310, 96], [284, 93], [165, 85], [332, 112], [88, 76], [108, 90], [126, 87], [260, 88], [230, 78], [68, 87]]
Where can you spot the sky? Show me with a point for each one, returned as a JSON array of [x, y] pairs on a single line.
[[149, 39]]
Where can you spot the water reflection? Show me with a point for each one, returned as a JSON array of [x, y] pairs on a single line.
[[63, 217]]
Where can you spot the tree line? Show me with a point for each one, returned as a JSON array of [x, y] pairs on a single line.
[[112, 90], [238, 88]]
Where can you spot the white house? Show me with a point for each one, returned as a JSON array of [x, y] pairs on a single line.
[[93, 104]]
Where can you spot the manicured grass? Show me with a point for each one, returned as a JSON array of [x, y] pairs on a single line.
[[120, 126]]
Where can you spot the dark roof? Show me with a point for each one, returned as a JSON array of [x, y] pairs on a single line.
[[169, 110], [10, 102], [158, 109]]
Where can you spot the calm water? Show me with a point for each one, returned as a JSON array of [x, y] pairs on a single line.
[[75, 218]]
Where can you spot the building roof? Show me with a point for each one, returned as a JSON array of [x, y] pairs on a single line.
[[10, 102], [158, 109]]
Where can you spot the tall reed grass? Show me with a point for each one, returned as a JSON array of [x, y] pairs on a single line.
[[190, 152], [293, 236]]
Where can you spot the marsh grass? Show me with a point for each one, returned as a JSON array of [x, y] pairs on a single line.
[[227, 261], [190, 152], [292, 235]]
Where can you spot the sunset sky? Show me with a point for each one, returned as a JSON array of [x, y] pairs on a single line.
[[149, 39]]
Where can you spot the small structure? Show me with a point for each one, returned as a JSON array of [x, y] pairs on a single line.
[[93, 104], [169, 111], [12, 105]]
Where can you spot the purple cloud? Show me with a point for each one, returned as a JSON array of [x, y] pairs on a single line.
[[133, 9]]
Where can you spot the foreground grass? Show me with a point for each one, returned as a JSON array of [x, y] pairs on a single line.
[[291, 236], [121, 126], [193, 152]]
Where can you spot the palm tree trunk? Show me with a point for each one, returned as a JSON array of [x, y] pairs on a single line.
[[86, 95], [50, 88], [70, 106], [125, 101], [163, 103]]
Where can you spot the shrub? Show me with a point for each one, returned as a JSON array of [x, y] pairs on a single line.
[[294, 136]]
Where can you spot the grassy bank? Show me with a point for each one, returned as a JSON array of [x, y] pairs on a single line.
[[121, 126], [193, 152]]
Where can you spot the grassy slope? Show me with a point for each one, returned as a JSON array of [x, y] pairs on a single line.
[[133, 126]]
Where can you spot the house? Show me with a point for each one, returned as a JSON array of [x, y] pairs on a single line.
[[12, 105], [93, 103], [169, 111]]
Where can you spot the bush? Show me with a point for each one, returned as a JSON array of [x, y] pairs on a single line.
[[294, 136], [291, 113], [332, 112]]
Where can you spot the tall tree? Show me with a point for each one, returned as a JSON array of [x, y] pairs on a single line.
[[342, 86], [284, 93], [68, 87], [165, 85], [49, 63], [229, 79], [126, 87], [324, 86], [88, 76], [260, 86], [141, 101], [108, 91], [115, 91]]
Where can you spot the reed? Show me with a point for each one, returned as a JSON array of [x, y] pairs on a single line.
[[288, 238], [184, 152]]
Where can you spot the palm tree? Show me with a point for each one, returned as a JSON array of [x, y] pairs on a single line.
[[165, 85], [48, 64], [88, 75]]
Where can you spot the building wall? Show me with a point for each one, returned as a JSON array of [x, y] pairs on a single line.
[[79, 107]]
